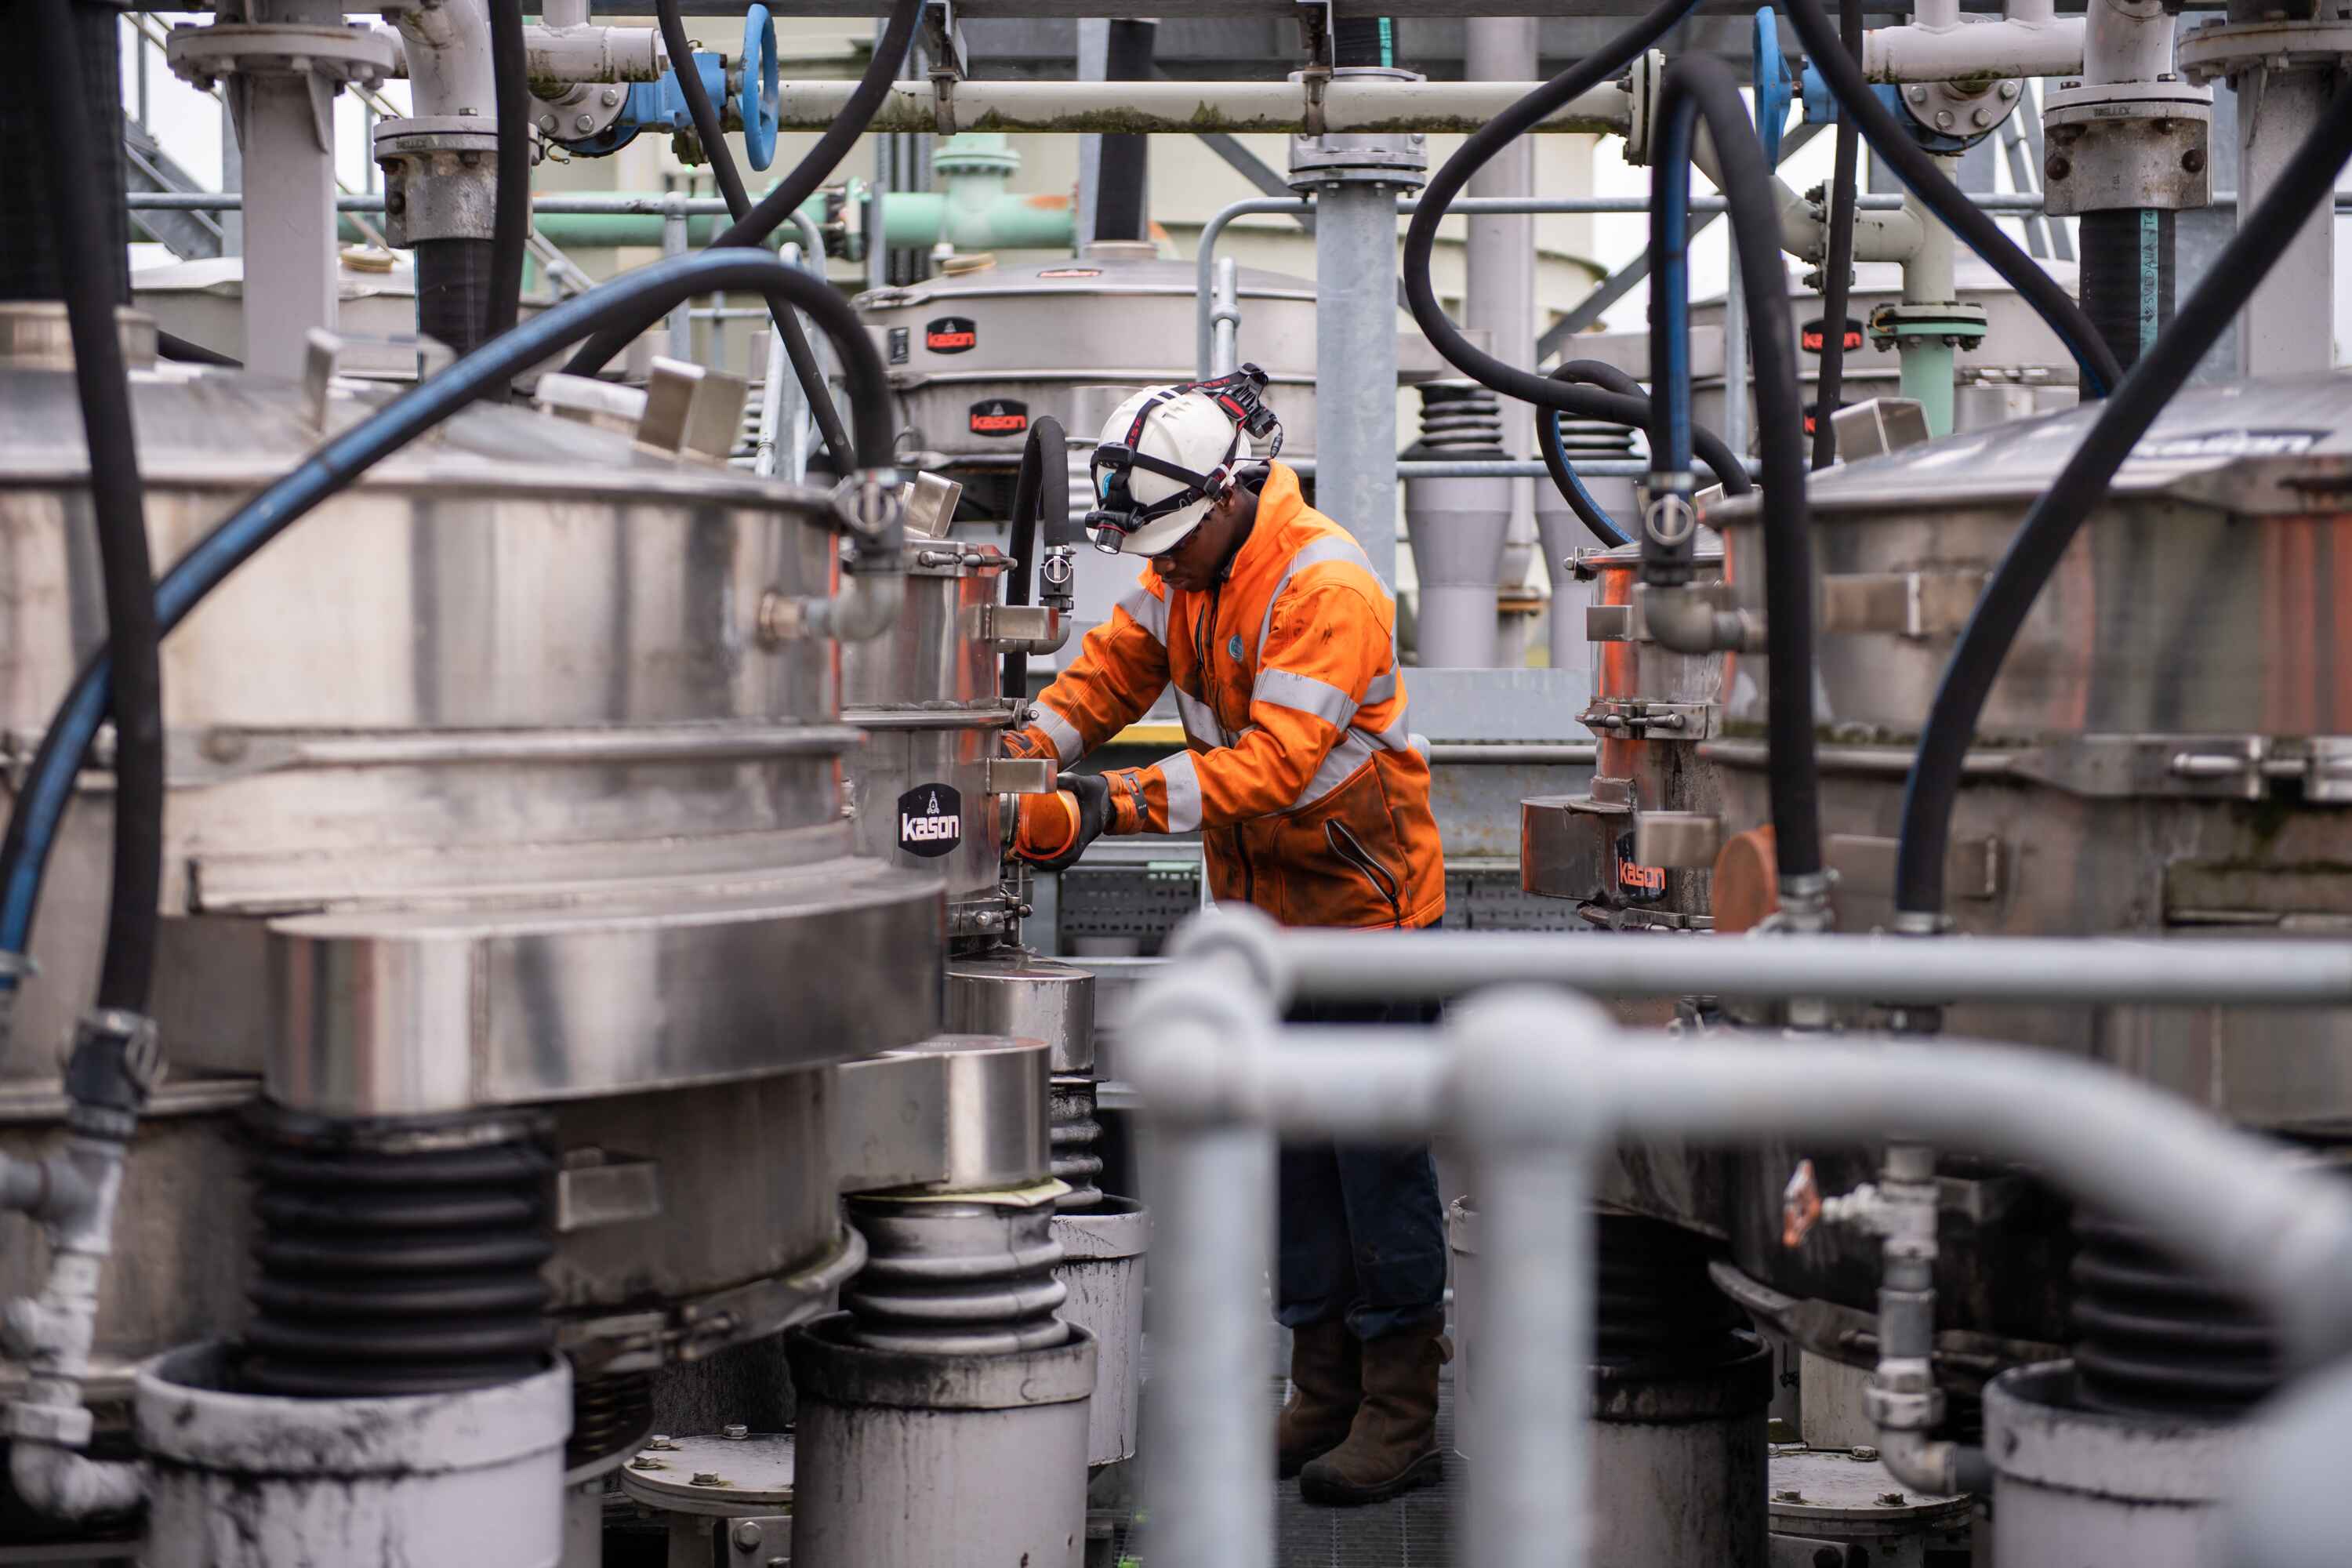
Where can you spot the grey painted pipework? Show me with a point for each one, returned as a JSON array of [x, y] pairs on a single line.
[[2266, 972], [1540, 1082], [1356, 366]]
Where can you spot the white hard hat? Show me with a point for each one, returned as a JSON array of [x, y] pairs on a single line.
[[1170, 426]]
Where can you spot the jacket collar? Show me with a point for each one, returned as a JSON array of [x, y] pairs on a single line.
[[1279, 503]]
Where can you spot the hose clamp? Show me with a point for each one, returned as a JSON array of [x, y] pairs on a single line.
[[872, 504], [1671, 520]]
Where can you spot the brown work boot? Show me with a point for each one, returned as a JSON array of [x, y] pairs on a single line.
[[1325, 1385], [1392, 1446]]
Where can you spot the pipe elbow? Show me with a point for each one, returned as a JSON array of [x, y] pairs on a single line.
[[867, 606], [61, 1484], [1923, 1463], [1886, 236], [1690, 620]]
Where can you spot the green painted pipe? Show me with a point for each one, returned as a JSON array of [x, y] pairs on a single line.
[[976, 212]]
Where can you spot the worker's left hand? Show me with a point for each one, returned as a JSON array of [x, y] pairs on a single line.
[[1055, 829]]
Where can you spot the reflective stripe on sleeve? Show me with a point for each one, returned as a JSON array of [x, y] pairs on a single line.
[[1149, 611], [1184, 781], [1068, 742], [1352, 753], [1200, 719]]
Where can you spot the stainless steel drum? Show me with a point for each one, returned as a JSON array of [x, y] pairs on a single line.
[[486, 790], [975, 358], [928, 792], [2169, 746], [1651, 708]]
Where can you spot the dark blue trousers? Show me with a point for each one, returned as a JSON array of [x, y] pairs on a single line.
[[1362, 1233]]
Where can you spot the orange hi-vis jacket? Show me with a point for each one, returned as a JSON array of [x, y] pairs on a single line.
[[1296, 768]]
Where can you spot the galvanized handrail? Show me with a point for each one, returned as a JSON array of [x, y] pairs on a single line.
[[1540, 1083]]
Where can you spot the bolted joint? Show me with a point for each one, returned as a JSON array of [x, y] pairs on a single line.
[[871, 506], [116, 1062], [1902, 1396], [58, 1426]]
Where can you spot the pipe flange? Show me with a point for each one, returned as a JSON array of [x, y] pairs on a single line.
[[440, 178], [1953, 115], [1383, 158], [202, 56], [2120, 145], [1959, 324], [2227, 48], [582, 111]]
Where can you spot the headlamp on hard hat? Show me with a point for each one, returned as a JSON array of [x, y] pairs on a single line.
[[1116, 514]]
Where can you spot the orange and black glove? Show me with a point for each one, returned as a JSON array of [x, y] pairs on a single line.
[[1055, 829]]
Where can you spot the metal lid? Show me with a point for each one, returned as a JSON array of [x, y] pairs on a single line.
[[1816, 1487], [2279, 446], [233, 430], [739, 1475]]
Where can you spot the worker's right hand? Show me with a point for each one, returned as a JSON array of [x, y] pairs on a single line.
[[1055, 829]]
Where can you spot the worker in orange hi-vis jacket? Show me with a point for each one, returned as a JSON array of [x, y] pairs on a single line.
[[1278, 639]]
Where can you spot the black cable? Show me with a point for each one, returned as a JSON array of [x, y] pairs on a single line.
[[786, 196], [1042, 456], [1421, 243], [1702, 87], [48, 783], [1979, 231], [92, 273], [1828, 388], [181, 350], [2307, 180], [738, 202], [1589, 512], [510, 218]]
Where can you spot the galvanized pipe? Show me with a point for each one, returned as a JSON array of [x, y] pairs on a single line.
[[1195, 108], [1537, 1080], [2267, 972]]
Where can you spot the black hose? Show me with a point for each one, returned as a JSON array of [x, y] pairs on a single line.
[[1042, 456], [1700, 87], [1979, 233], [453, 292], [1589, 512], [32, 261], [2127, 277], [82, 183], [2307, 180], [738, 202], [1421, 243], [510, 218], [181, 350], [1829, 387], [785, 196], [48, 783]]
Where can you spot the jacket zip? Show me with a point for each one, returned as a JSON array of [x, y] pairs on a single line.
[[1349, 849], [1204, 654]]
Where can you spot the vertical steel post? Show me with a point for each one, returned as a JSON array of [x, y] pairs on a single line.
[[288, 171], [2286, 329], [1225, 319], [1529, 1489], [1356, 180], [674, 236], [232, 221], [1499, 292]]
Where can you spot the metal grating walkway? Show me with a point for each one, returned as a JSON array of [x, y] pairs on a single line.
[[1411, 1531]]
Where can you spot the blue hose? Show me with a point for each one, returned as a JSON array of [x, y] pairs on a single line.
[[48, 784]]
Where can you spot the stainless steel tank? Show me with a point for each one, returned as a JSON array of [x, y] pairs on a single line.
[[1651, 708], [486, 791], [975, 358], [928, 791], [2168, 747]]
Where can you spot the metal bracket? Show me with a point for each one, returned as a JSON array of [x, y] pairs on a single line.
[[1907, 604], [692, 408], [1317, 26], [323, 351], [1640, 718], [1685, 840], [598, 1187], [1865, 865], [944, 45], [1021, 775]]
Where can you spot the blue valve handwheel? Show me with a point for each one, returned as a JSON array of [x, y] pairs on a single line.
[[1775, 90], [761, 90]]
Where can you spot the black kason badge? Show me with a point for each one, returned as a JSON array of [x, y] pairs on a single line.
[[952, 335], [930, 819], [999, 416]]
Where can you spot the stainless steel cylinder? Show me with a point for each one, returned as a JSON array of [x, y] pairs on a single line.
[[1103, 1250], [959, 1112], [2079, 1486], [954, 1461], [1678, 1463], [1018, 993], [473, 1477]]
